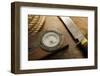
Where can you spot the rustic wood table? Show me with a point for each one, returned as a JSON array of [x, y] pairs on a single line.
[[54, 23]]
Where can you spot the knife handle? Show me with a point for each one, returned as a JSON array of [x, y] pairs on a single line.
[[83, 45], [84, 42]]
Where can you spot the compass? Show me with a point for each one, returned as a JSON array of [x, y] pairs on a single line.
[[50, 40]]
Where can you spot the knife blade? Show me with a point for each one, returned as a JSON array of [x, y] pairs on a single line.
[[79, 38]]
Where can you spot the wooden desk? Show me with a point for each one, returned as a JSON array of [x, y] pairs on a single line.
[[54, 23]]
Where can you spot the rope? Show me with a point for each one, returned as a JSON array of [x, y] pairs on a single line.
[[35, 23]]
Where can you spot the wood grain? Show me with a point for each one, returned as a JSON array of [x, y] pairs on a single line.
[[54, 23]]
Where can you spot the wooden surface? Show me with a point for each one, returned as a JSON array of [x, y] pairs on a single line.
[[54, 23]]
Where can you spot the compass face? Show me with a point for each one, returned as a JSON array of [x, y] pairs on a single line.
[[50, 40]]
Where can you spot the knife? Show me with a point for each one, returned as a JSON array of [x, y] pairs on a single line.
[[76, 34]]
